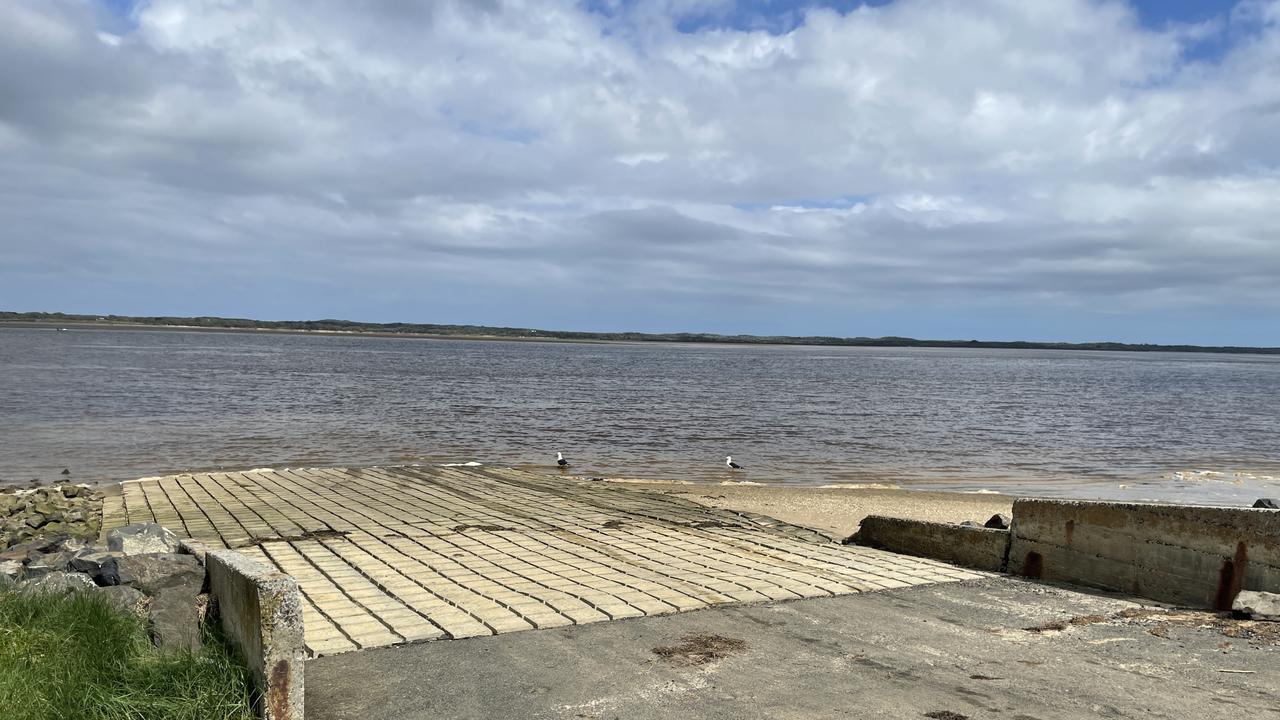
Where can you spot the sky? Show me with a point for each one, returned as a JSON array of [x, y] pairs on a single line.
[[965, 169]]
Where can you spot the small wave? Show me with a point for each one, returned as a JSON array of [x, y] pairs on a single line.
[[642, 481], [1235, 478], [982, 491], [473, 463], [261, 470], [740, 482], [861, 486]]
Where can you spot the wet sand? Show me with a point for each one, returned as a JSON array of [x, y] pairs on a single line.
[[835, 511]]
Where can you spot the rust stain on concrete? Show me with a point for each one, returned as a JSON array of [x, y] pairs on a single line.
[[1231, 577], [1033, 566], [278, 691]]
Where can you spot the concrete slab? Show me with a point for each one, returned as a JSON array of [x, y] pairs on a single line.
[[385, 556], [997, 648]]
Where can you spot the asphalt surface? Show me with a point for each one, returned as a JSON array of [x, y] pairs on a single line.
[[953, 651]]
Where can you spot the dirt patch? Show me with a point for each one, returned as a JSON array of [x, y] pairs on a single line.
[[309, 535], [710, 524], [700, 649], [945, 715], [486, 528], [1159, 621], [612, 524], [1059, 625]]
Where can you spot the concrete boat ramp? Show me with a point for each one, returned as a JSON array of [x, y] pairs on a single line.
[[393, 555]]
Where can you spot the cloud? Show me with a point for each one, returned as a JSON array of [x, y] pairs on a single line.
[[924, 154]]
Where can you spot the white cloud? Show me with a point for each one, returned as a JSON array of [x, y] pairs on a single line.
[[995, 150]]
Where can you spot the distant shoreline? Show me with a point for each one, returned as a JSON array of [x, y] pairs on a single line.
[[345, 328]]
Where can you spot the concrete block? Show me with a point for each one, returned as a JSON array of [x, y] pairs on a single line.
[[1197, 556], [260, 610], [971, 546]]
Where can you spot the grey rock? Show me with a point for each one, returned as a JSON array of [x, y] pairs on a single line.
[[999, 521], [1267, 504], [1257, 605], [970, 523], [10, 570], [90, 561], [174, 620], [40, 564], [59, 582], [142, 538], [154, 572], [128, 599], [22, 551]]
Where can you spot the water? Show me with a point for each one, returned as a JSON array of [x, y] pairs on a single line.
[[114, 405]]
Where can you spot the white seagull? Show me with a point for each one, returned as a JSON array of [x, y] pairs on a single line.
[[728, 460], [561, 461]]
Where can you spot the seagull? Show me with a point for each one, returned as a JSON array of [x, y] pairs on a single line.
[[561, 461], [728, 460]]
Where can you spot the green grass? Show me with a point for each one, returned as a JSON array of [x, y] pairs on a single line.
[[76, 657]]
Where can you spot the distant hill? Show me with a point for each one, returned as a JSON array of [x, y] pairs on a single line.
[[347, 326]]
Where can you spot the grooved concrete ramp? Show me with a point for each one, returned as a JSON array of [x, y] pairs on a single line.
[[401, 554]]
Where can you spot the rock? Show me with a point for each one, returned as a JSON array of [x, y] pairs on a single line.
[[41, 564], [174, 619], [90, 561], [70, 491], [1257, 605], [969, 523], [154, 572], [66, 471], [22, 551], [10, 571], [128, 599], [7, 503], [59, 582], [1267, 503], [36, 521], [998, 521], [142, 538]]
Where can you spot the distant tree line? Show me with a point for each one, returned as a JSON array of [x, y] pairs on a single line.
[[348, 326]]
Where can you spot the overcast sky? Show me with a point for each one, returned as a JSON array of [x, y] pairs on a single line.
[[1046, 169]]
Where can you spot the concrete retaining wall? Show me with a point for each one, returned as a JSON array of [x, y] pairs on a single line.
[[260, 610], [975, 547], [1188, 555]]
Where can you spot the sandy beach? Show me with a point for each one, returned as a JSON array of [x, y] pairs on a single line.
[[835, 511]]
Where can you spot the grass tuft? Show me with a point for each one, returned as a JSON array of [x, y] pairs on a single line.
[[77, 657]]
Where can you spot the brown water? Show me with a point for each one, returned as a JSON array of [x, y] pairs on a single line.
[[113, 405]]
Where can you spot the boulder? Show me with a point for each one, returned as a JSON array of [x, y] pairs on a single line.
[[1257, 605], [10, 571], [141, 539], [40, 564], [22, 551], [174, 620], [129, 599], [153, 572], [70, 491], [90, 561], [59, 582], [999, 521], [1267, 503]]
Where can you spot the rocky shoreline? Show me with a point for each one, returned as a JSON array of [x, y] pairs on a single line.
[[141, 569], [73, 510]]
